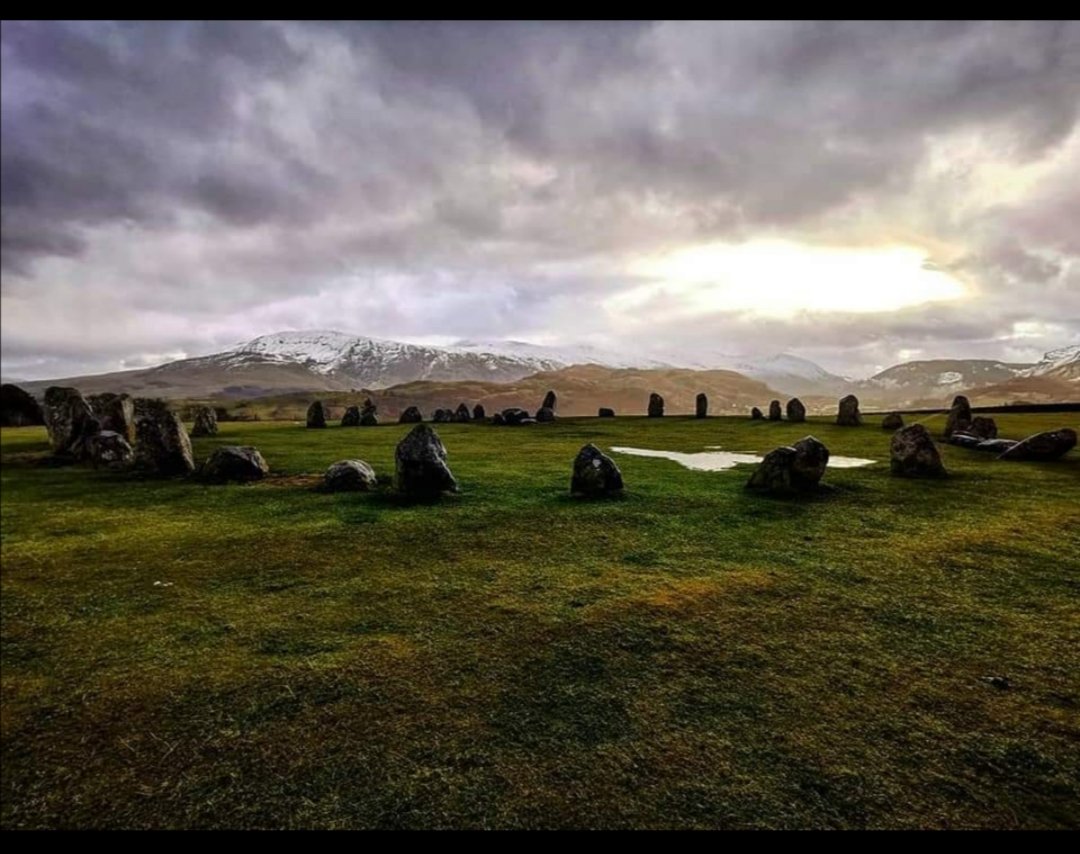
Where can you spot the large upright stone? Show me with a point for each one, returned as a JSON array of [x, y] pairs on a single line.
[[912, 453], [775, 412], [369, 414], [792, 469], [892, 421], [162, 445], [316, 415], [235, 462], [983, 427], [756, 414], [847, 414], [701, 405], [116, 412], [351, 418], [68, 419], [411, 415], [959, 416], [1043, 446], [656, 405], [796, 412], [205, 422], [550, 401], [595, 474], [478, 413], [18, 408], [461, 414], [443, 416], [420, 465]]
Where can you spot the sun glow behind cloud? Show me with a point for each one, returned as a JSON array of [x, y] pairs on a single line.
[[776, 278]]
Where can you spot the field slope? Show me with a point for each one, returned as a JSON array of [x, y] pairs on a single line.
[[181, 655]]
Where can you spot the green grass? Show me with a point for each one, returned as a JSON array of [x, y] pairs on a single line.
[[688, 656]]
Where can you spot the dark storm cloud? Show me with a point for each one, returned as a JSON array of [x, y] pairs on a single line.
[[436, 178]]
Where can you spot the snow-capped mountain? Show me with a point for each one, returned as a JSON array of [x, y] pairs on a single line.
[[1062, 364]]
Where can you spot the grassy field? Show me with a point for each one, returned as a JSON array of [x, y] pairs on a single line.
[[183, 655]]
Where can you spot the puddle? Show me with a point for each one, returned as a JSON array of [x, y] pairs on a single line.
[[715, 459]]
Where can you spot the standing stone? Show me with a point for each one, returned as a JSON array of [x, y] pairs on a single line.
[[550, 401], [848, 414], [513, 416], [350, 476], [162, 445], [892, 421], [443, 416], [108, 449], [235, 462], [959, 416], [351, 418], [68, 419], [1042, 446], [595, 474], [420, 465], [116, 412], [498, 420], [756, 414], [206, 422], [605, 412], [912, 453], [316, 415], [791, 469], [775, 413], [478, 413], [545, 414], [701, 405], [412, 415], [368, 414], [983, 427], [796, 412], [462, 414], [656, 405], [18, 408]]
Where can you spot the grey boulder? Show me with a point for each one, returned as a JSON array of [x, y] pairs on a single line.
[[420, 465], [235, 462], [595, 474], [350, 476], [912, 453]]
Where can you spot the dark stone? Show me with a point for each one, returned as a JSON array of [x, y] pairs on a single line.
[[964, 440], [595, 474], [116, 412], [351, 418], [775, 413], [848, 414], [792, 469], [550, 401], [912, 453], [701, 405], [796, 412], [656, 405], [18, 408], [497, 420], [605, 412], [983, 427], [1043, 446], [996, 446], [443, 416], [235, 462], [316, 415], [545, 414], [420, 465], [959, 416], [462, 414], [756, 414], [369, 414], [412, 415], [109, 449], [892, 421], [205, 422], [162, 445], [478, 413], [350, 476], [68, 419], [514, 416]]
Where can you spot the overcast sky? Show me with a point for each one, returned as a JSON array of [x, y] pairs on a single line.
[[858, 194]]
